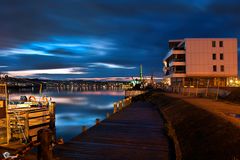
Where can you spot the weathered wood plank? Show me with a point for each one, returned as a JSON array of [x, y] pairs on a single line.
[[136, 132], [38, 121], [33, 132], [38, 114]]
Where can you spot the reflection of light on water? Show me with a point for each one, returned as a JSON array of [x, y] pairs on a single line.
[[75, 109], [74, 119], [97, 106], [71, 100], [110, 93]]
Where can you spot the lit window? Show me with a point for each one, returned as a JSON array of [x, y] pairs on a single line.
[[222, 68], [220, 43], [214, 68], [214, 56], [213, 43]]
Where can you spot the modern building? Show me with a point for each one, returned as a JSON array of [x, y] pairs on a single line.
[[201, 62]]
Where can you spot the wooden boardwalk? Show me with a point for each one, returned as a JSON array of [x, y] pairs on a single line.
[[135, 133]]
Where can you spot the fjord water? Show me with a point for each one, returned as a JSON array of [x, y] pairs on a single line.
[[77, 108]]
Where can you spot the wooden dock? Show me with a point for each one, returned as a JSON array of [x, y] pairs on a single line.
[[136, 132]]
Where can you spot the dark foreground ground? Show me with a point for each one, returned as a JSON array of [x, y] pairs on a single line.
[[198, 134]]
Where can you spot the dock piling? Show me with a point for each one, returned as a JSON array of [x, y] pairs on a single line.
[[124, 103], [52, 108], [26, 125], [108, 115], [120, 105], [115, 108], [84, 128], [97, 121], [45, 151]]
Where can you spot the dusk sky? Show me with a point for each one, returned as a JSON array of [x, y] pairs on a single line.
[[71, 39]]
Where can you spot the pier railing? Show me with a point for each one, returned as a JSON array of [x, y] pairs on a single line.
[[118, 106], [211, 92]]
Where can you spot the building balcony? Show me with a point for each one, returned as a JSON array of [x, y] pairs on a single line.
[[174, 52], [178, 51], [179, 75], [177, 63]]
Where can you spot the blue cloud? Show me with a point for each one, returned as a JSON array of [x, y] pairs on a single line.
[[106, 37]]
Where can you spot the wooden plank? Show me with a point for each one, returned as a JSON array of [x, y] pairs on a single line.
[[136, 132], [38, 121], [38, 114], [2, 112], [34, 138], [33, 132]]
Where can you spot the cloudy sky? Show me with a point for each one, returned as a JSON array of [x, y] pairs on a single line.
[[62, 39]]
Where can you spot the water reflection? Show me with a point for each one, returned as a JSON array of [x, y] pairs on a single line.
[[75, 109]]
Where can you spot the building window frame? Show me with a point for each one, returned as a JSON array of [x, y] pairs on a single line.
[[213, 43], [214, 68], [220, 43], [214, 56], [221, 56], [222, 68]]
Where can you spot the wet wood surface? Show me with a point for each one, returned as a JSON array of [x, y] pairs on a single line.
[[135, 133]]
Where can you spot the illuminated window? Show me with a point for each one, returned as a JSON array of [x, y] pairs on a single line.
[[221, 56], [222, 68], [213, 43], [214, 68], [214, 56], [220, 43]]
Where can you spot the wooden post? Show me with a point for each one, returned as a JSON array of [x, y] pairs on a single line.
[[26, 125], [130, 100], [124, 102], [197, 89], [217, 91], [52, 109], [183, 90], [189, 91], [84, 128], [207, 88], [178, 87], [120, 105], [4, 93], [97, 121], [115, 108], [40, 89], [45, 152], [108, 115]]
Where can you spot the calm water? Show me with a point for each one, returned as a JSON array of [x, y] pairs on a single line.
[[75, 109]]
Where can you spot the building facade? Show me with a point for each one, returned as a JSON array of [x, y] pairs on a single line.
[[201, 62]]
